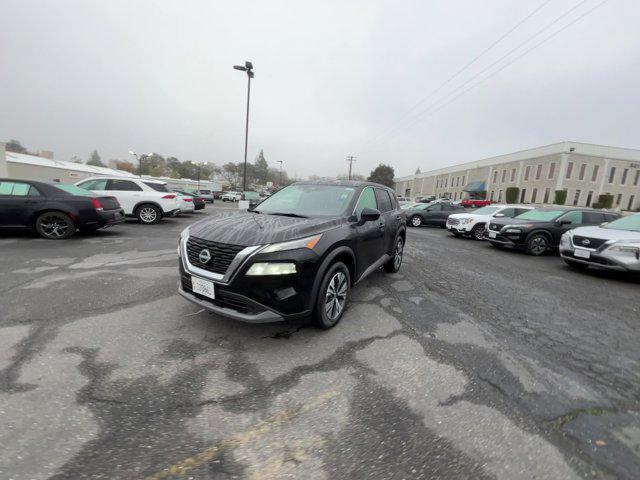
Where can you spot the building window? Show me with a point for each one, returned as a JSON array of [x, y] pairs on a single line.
[[552, 169], [495, 176], [589, 198], [504, 176], [583, 168], [513, 174], [631, 199], [619, 200], [624, 176], [594, 175], [500, 196], [576, 198], [534, 194], [526, 172], [446, 182], [612, 174], [491, 197], [635, 182], [538, 171], [522, 194], [569, 170], [547, 192], [463, 180]]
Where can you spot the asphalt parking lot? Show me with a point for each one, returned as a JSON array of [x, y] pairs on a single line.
[[469, 363]]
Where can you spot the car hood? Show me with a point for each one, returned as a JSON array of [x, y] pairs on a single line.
[[249, 229], [606, 233]]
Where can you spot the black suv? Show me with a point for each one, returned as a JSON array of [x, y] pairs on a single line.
[[297, 255], [539, 230]]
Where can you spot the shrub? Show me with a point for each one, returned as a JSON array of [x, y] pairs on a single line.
[[511, 195], [596, 205], [561, 197], [606, 200]]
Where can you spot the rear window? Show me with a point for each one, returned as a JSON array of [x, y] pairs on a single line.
[[158, 187], [73, 189]]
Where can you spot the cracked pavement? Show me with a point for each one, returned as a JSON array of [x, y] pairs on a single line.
[[468, 363]]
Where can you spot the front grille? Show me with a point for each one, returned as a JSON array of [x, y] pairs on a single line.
[[587, 242], [453, 221], [222, 254]]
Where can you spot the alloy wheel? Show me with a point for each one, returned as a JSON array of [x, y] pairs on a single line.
[[478, 233], [336, 296], [397, 259], [538, 245], [148, 215], [416, 221], [53, 226]]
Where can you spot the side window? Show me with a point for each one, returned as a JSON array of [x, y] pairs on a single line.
[[435, 208], [508, 212], [33, 191], [367, 200], [100, 184], [16, 189], [6, 188], [610, 218], [123, 186], [384, 202], [574, 217], [592, 218], [520, 211]]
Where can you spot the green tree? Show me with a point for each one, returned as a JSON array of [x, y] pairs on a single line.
[[382, 174], [261, 168], [125, 165], [560, 197], [512, 194], [15, 146], [94, 159]]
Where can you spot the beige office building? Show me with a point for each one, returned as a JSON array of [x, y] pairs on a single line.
[[585, 171]]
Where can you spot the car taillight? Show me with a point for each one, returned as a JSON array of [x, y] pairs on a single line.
[[96, 204], [188, 199], [169, 197]]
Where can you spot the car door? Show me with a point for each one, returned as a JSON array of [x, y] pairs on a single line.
[[370, 235], [127, 192], [388, 216], [18, 202], [431, 215]]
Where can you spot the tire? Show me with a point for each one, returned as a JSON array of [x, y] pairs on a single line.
[[478, 231], [148, 214], [393, 265], [336, 279], [416, 221], [55, 226], [537, 244], [575, 265]]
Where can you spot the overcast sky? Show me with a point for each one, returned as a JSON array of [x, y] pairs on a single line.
[[333, 78]]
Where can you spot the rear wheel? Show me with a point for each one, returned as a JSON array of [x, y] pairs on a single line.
[[576, 265], [537, 244], [55, 226], [416, 221], [333, 296], [393, 265], [148, 214], [478, 231]]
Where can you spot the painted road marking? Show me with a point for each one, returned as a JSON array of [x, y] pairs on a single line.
[[181, 468]]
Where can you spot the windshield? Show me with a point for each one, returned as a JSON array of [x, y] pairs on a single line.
[[631, 223], [73, 189], [486, 210], [541, 215], [309, 200]]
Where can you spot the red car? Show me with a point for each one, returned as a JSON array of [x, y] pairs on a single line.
[[474, 203]]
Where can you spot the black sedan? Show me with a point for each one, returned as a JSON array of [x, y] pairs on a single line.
[[540, 230], [55, 210], [431, 214], [198, 202]]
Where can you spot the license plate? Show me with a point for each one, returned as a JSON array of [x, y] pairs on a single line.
[[582, 253], [492, 234], [203, 287]]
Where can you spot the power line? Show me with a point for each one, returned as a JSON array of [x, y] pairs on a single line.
[[453, 92], [350, 159], [495, 72]]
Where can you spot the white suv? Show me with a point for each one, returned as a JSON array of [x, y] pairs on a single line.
[[148, 200], [474, 223], [232, 197]]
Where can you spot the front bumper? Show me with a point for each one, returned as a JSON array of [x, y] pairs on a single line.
[[608, 261], [458, 228]]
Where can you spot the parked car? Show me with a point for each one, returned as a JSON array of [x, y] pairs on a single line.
[[614, 246], [217, 194], [408, 205], [208, 195], [539, 230], [232, 197], [297, 255], [198, 202], [474, 223], [147, 200], [474, 203], [253, 198], [55, 210], [431, 214], [403, 199], [186, 202]]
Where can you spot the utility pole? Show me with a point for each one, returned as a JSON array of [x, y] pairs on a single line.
[[350, 159], [280, 183], [248, 67]]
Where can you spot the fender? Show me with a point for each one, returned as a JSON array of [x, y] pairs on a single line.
[[325, 265], [147, 202], [541, 230]]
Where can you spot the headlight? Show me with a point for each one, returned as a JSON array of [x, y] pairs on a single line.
[[307, 242], [513, 230], [184, 233], [626, 248], [266, 268], [465, 220], [565, 239]]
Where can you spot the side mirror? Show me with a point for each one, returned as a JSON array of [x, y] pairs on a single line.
[[604, 223], [369, 215], [499, 215], [565, 222]]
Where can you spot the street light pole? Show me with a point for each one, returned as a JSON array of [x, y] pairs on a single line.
[[280, 183], [139, 158], [248, 67]]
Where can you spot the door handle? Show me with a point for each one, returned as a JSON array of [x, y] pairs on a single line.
[[398, 217], [381, 225]]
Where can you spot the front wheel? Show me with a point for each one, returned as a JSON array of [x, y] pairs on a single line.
[[478, 232], [333, 296], [393, 265], [55, 226], [416, 221], [537, 244]]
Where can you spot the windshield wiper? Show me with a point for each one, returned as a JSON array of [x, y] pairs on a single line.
[[288, 214]]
